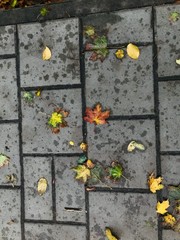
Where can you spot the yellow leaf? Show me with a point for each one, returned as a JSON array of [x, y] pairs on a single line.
[[154, 183], [82, 172], [178, 61], [83, 146], [90, 164], [71, 143], [109, 234], [161, 207], [42, 186], [170, 220], [46, 55], [119, 53], [38, 92], [133, 51]]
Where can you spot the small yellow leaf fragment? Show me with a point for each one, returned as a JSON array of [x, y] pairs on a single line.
[[178, 61], [161, 207], [135, 145], [71, 143], [83, 146], [42, 186], [133, 51], [109, 234], [155, 183], [170, 220], [38, 92], [90, 164], [46, 54], [119, 54]]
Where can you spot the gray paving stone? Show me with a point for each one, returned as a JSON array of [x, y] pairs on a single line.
[[8, 90], [62, 37], [36, 206], [170, 169], [109, 143], [169, 234], [37, 137], [130, 216], [69, 193], [9, 142], [125, 87], [123, 26], [54, 232], [169, 93], [167, 40], [7, 44], [10, 211]]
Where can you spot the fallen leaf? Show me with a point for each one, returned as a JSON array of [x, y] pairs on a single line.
[[90, 164], [96, 115], [11, 178], [89, 31], [109, 234], [82, 172], [44, 11], [46, 54], [176, 227], [4, 160], [161, 207], [71, 143], [28, 97], [38, 92], [174, 16], [169, 220], [133, 51], [42, 186], [97, 174], [135, 145], [55, 119], [155, 183], [83, 146], [82, 159], [115, 171], [173, 193], [178, 61], [119, 54], [13, 3]]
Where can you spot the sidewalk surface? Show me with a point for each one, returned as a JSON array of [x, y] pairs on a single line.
[[144, 98]]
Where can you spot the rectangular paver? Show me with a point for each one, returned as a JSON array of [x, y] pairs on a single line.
[[130, 216], [69, 193], [169, 234], [169, 94], [109, 143], [167, 40], [9, 145], [36, 206], [62, 37], [54, 232], [7, 42], [10, 211], [37, 137], [126, 87], [8, 90]]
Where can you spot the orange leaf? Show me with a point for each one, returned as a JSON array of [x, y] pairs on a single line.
[[96, 115]]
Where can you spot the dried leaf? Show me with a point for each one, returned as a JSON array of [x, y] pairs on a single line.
[[44, 11], [46, 55], [11, 178], [82, 172], [135, 145], [155, 183], [4, 160], [133, 51], [169, 220], [42, 186], [161, 207], [96, 115], [109, 234], [90, 164], [178, 61], [83, 146], [82, 159], [119, 54]]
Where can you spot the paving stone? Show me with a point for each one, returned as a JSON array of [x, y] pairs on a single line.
[[36, 206], [9, 143], [169, 234], [54, 232], [8, 90], [69, 193], [167, 40], [123, 26], [37, 137], [7, 44], [126, 87], [131, 216], [10, 211], [169, 93], [62, 37], [170, 169], [109, 143]]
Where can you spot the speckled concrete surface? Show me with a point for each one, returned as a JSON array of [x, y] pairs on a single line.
[[144, 107]]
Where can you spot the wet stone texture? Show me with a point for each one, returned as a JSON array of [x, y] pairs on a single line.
[[8, 90], [169, 95], [123, 26], [62, 37], [10, 211], [130, 216], [54, 232], [167, 40], [70, 195], [109, 143], [37, 136], [36, 206], [9, 145], [7, 42], [126, 87]]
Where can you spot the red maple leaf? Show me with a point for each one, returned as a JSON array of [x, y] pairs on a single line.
[[96, 115]]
